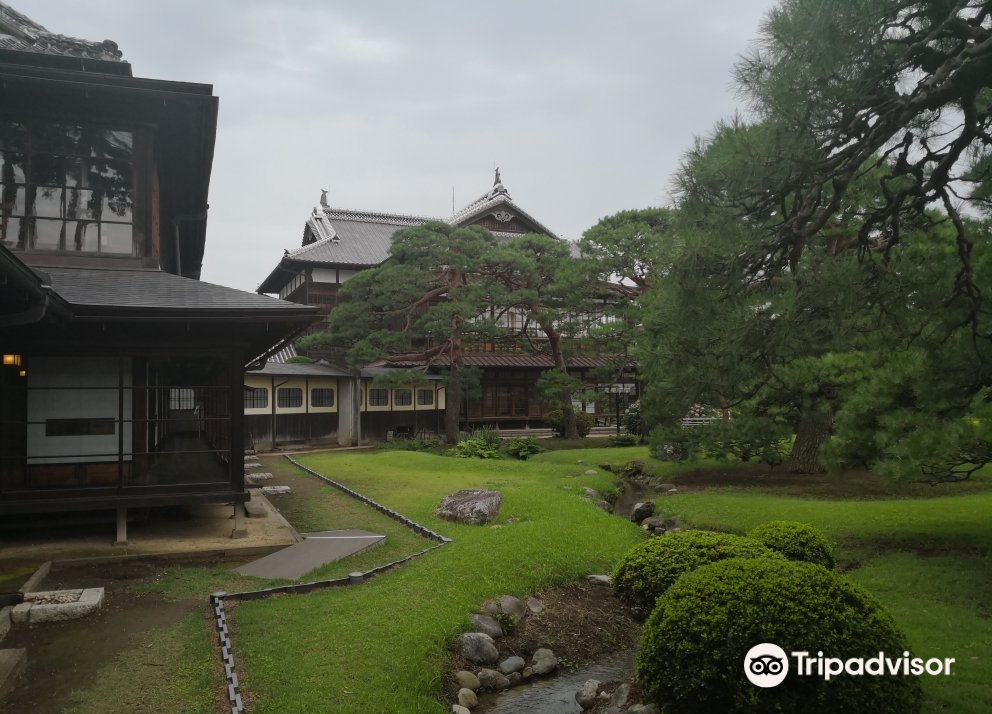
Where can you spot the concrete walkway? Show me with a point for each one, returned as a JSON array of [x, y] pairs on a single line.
[[315, 550]]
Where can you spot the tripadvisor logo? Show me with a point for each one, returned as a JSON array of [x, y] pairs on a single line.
[[766, 665]]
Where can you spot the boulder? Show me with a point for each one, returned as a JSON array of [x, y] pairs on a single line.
[[527, 673], [665, 486], [671, 523], [643, 709], [591, 493], [598, 579], [459, 709], [641, 511], [488, 625], [620, 696], [467, 698], [467, 680], [586, 696], [478, 647], [604, 505], [544, 661], [512, 664], [513, 607], [514, 678], [470, 505], [649, 524], [491, 679]]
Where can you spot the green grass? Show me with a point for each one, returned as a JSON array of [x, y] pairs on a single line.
[[183, 660], [382, 647], [925, 553]]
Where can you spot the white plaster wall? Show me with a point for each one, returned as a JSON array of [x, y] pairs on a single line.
[[52, 395]]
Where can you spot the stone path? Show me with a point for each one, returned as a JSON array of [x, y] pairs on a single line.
[[315, 550]]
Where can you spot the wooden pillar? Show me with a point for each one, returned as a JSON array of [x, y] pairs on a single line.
[[121, 526], [240, 526]]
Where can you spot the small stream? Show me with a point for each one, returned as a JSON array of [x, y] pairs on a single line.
[[556, 695]]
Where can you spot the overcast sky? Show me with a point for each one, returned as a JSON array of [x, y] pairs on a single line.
[[585, 106]]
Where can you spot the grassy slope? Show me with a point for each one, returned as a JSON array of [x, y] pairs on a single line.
[[382, 647], [928, 560]]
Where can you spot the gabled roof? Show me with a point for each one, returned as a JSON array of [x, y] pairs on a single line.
[[22, 34], [362, 239], [497, 203]]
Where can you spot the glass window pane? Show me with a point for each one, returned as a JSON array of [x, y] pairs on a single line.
[[46, 170], [47, 202], [116, 238], [77, 203], [73, 139], [117, 206], [10, 232], [82, 235], [73, 171], [47, 234], [117, 144], [109, 175], [12, 167], [13, 200]]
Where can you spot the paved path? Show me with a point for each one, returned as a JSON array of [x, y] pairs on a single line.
[[315, 550]]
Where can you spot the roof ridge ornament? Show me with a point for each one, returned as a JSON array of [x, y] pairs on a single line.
[[498, 188], [323, 198]]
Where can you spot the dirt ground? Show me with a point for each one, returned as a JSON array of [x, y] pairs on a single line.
[[581, 623], [65, 657]]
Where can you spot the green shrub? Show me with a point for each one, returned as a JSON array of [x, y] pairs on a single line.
[[484, 443], [522, 447], [624, 439], [693, 647], [400, 444], [633, 420], [556, 420], [650, 568], [796, 541]]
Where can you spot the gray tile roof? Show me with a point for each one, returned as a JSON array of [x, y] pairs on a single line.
[[317, 369], [153, 291], [21, 33]]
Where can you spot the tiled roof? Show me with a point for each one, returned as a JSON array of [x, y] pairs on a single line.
[[496, 201], [293, 369], [516, 359], [21, 33], [153, 291]]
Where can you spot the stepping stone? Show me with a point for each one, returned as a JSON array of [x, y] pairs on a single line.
[[315, 550], [253, 465], [253, 478], [274, 490]]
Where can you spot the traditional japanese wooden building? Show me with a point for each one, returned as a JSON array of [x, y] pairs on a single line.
[[338, 243], [122, 375]]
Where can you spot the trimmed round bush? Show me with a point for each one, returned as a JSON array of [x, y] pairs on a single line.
[[796, 541], [694, 645], [649, 568]]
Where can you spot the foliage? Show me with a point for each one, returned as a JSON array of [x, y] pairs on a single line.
[[484, 443], [583, 422], [697, 637], [761, 438], [633, 419], [522, 447], [796, 541], [401, 444], [623, 439], [648, 569]]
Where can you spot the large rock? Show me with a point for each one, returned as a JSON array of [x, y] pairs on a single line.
[[511, 665], [620, 696], [586, 696], [467, 698], [470, 505], [491, 679], [479, 647], [641, 511], [487, 624], [467, 680], [544, 661], [513, 607], [535, 605]]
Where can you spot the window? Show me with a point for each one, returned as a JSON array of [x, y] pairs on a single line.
[[402, 397], [322, 397], [378, 397], [67, 187], [182, 398], [425, 397], [256, 398], [289, 397], [80, 427]]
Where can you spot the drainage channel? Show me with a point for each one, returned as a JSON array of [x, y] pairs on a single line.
[[217, 599]]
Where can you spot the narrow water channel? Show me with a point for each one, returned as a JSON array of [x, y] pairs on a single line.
[[556, 695]]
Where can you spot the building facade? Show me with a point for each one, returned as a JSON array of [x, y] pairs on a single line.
[[121, 383]]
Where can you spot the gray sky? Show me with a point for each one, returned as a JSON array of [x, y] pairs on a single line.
[[585, 106]]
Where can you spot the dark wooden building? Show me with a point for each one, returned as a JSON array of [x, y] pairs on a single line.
[[121, 381]]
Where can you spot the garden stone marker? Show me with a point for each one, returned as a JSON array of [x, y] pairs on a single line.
[[470, 505]]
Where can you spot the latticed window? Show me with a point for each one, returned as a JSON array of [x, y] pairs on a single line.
[[402, 397], [425, 397], [322, 397], [378, 397], [67, 187], [256, 398], [289, 397]]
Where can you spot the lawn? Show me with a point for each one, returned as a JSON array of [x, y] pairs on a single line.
[[924, 552], [382, 647]]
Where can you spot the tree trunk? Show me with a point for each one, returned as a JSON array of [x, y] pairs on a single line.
[[570, 427], [453, 391], [812, 433]]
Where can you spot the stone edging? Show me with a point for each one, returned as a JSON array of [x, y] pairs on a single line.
[[217, 599]]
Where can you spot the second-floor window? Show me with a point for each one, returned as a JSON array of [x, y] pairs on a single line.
[[378, 397], [67, 187]]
